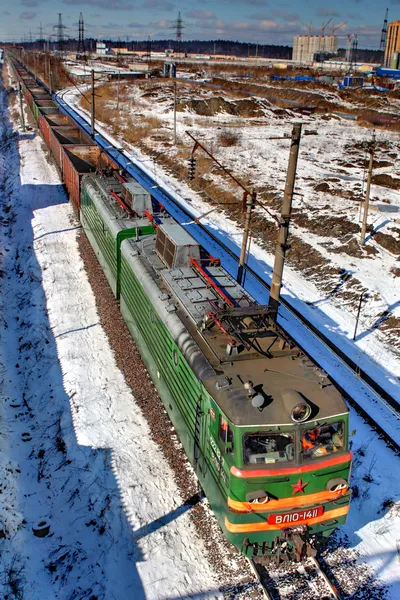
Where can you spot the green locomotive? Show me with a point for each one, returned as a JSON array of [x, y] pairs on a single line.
[[265, 430]]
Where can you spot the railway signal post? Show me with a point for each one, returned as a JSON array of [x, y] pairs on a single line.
[[282, 245], [250, 202]]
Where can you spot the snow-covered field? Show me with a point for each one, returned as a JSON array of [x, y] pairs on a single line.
[[76, 452], [325, 223]]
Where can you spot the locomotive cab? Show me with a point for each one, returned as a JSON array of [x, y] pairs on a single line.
[[289, 487]]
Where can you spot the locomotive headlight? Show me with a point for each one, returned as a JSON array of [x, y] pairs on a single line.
[[257, 497], [337, 485], [262, 500]]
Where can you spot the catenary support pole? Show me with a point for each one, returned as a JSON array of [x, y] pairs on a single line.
[[250, 201], [21, 107], [367, 192], [92, 111], [51, 82], [175, 111], [119, 81], [282, 245]]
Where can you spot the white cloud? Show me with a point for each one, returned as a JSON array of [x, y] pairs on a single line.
[[201, 14], [106, 4], [27, 16]]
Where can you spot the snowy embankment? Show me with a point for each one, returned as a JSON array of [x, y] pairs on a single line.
[[75, 450]]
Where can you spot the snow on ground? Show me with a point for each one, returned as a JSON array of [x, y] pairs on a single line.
[[75, 450], [373, 527], [88, 466], [84, 70], [370, 350]]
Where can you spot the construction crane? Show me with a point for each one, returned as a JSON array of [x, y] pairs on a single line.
[[309, 26], [383, 37], [324, 25], [336, 27]]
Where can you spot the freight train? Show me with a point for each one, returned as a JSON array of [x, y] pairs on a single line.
[[265, 429]]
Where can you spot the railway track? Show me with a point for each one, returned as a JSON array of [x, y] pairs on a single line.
[[228, 253], [296, 581]]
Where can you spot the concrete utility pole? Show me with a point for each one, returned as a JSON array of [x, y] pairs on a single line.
[[367, 192], [282, 245], [250, 202], [175, 112], [119, 80], [93, 106], [21, 107]]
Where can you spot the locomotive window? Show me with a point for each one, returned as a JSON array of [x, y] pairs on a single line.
[[323, 440], [262, 448]]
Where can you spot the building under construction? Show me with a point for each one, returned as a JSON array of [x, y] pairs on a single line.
[[392, 48], [306, 47]]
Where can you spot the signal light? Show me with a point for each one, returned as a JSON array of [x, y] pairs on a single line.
[[192, 167]]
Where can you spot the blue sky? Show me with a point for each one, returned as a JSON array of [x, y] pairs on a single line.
[[262, 21]]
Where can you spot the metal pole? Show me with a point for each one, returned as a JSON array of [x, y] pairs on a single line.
[[249, 205], [51, 82], [175, 112], [281, 245], [367, 192], [119, 76], [92, 112], [35, 61], [21, 107], [358, 313]]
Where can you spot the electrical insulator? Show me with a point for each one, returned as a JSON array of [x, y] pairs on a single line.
[[192, 167]]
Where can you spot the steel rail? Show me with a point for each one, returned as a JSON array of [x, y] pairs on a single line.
[[333, 591], [253, 567], [166, 198], [325, 577]]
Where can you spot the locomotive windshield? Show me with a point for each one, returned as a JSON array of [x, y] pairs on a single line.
[[268, 448], [322, 440]]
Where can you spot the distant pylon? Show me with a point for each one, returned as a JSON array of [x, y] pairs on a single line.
[[41, 39], [179, 28], [81, 42], [60, 33]]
